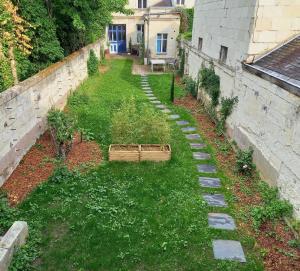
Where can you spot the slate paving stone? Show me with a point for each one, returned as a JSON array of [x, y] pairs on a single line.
[[201, 156], [206, 168], [228, 250], [149, 95], [188, 129], [193, 136], [210, 182], [155, 102], [174, 117], [148, 91], [197, 146], [161, 106], [215, 200], [167, 111], [152, 98], [221, 221], [182, 122]]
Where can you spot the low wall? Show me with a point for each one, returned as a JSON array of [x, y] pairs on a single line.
[[267, 118], [24, 107]]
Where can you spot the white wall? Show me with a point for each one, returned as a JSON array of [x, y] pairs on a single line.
[[24, 107]]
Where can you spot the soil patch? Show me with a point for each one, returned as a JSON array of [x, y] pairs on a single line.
[[39, 163], [273, 237]]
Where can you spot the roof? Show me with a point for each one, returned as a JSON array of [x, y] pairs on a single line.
[[164, 3], [282, 65]]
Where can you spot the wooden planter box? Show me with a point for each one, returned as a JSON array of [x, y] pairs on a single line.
[[155, 153], [136, 153], [130, 153]]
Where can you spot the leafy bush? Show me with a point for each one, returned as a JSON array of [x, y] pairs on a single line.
[[93, 63], [62, 128], [78, 99], [7, 214], [182, 62], [60, 174], [191, 86], [244, 161], [143, 126], [272, 207], [211, 83]]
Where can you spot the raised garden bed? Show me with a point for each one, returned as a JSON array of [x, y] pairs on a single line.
[[136, 153], [130, 153], [155, 153]]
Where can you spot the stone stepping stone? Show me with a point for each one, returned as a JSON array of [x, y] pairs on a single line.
[[201, 156], [148, 91], [149, 94], [161, 106], [197, 146], [221, 221], [182, 122], [152, 98], [228, 250], [155, 102], [206, 168], [215, 200], [210, 182], [166, 111], [174, 117], [188, 129], [193, 136]]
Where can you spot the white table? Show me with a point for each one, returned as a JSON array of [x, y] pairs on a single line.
[[158, 62]]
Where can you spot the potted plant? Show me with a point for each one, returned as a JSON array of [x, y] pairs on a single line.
[[141, 130]]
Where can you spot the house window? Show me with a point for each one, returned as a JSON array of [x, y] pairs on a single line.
[[142, 3], [161, 43], [180, 2], [200, 43], [140, 33], [223, 54]]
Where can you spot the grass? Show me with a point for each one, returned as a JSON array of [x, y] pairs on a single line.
[[126, 216]]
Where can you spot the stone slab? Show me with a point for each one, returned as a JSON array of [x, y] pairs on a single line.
[[149, 94], [155, 102], [182, 122], [161, 106], [197, 146], [228, 250], [210, 182], [221, 221], [174, 117], [201, 155], [152, 98], [167, 111], [188, 129], [146, 88], [206, 168], [215, 200], [193, 136], [5, 258]]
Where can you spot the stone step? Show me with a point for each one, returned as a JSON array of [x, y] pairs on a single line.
[[193, 136], [203, 168], [166, 111], [197, 146], [174, 117], [188, 129], [182, 122], [210, 182], [152, 98], [221, 221], [215, 200], [155, 102], [201, 156], [228, 250], [161, 106], [149, 94]]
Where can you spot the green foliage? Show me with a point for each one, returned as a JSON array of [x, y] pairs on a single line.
[[244, 162], [60, 174], [7, 214], [131, 125], [271, 208], [182, 62], [211, 83], [62, 128], [172, 90], [78, 99], [186, 19], [191, 86], [93, 64], [86, 134], [6, 78]]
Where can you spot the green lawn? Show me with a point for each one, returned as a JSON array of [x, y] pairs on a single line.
[[124, 216]]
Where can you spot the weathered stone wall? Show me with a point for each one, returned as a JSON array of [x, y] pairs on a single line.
[[267, 118], [24, 107]]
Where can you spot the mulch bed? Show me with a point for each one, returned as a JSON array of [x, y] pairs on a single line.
[[273, 237], [39, 163]]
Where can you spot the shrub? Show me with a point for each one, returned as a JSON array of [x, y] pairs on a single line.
[[182, 62], [244, 161], [92, 64], [143, 126], [191, 86], [211, 83], [62, 128], [271, 208], [7, 214], [60, 174]]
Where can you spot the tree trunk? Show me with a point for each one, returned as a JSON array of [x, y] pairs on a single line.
[[13, 64]]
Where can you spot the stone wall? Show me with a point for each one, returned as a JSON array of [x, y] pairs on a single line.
[[267, 118], [24, 107]]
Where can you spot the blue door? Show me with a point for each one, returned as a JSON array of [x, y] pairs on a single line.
[[117, 38]]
